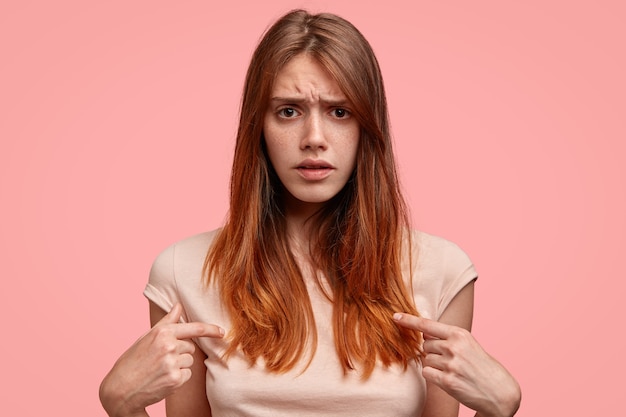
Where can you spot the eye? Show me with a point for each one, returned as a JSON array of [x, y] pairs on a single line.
[[340, 113], [287, 112]]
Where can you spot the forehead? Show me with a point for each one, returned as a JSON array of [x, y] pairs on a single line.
[[304, 77]]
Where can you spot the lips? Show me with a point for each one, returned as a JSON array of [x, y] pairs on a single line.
[[312, 164], [314, 170]]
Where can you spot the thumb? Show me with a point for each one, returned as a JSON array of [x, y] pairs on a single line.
[[173, 316]]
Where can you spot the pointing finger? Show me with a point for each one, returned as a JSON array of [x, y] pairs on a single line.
[[430, 328], [197, 329]]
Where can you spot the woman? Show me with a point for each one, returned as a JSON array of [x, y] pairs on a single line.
[[317, 293]]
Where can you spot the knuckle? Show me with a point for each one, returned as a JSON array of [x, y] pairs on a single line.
[[162, 332], [453, 367], [198, 328], [448, 380], [460, 333], [169, 363], [167, 348], [173, 378], [447, 349]]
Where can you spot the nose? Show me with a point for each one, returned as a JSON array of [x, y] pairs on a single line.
[[314, 136]]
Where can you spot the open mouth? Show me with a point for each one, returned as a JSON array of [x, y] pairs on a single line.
[[314, 170], [314, 167], [314, 164]]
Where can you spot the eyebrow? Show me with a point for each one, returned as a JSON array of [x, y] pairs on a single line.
[[299, 100]]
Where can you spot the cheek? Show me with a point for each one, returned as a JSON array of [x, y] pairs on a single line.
[[352, 147], [276, 136], [275, 154], [271, 144]]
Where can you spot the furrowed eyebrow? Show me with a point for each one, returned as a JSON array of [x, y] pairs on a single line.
[[299, 100], [295, 100], [336, 103]]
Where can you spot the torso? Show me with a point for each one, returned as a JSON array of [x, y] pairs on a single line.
[[234, 388]]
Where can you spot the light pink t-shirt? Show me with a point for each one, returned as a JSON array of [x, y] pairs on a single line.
[[441, 269]]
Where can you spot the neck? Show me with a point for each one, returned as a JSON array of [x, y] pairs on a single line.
[[299, 217]]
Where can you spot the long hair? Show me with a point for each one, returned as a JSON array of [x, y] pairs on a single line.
[[360, 233]]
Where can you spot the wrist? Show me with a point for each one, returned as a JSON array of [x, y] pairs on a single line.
[[506, 405], [115, 402]]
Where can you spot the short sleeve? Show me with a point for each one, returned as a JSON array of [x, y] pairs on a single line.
[[459, 272], [442, 270], [161, 288]]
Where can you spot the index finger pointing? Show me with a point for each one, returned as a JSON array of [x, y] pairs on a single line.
[[197, 329], [428, 327]]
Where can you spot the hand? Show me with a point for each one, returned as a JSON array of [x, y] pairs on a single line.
[[154, 367], [454, 361]]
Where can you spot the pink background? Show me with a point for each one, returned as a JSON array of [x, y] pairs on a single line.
[[117, 122]]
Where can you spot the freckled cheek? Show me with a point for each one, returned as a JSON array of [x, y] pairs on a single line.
[[275, 145], [279, 135], [273, 139], [348, 140]]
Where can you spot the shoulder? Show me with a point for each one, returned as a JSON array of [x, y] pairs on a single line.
[[176, 273], [181, 258], [189, 248], [199, 242], [435, 251], [439, 270]]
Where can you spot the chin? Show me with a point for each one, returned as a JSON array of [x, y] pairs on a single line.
[[308, 197]]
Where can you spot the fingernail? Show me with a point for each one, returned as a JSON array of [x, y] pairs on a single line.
[[397, 317]]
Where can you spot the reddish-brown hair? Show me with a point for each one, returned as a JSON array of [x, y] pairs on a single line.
[[360, 234]]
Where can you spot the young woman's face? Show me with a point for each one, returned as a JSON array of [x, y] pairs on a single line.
[[310, 132]]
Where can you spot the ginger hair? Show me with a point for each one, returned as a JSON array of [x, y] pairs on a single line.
[[361, 233]]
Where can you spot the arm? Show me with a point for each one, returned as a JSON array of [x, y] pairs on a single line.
[[156, 366], [190, 399], [460, 313], [457, 366]]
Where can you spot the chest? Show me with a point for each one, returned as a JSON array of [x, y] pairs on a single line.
[[234, 388]]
